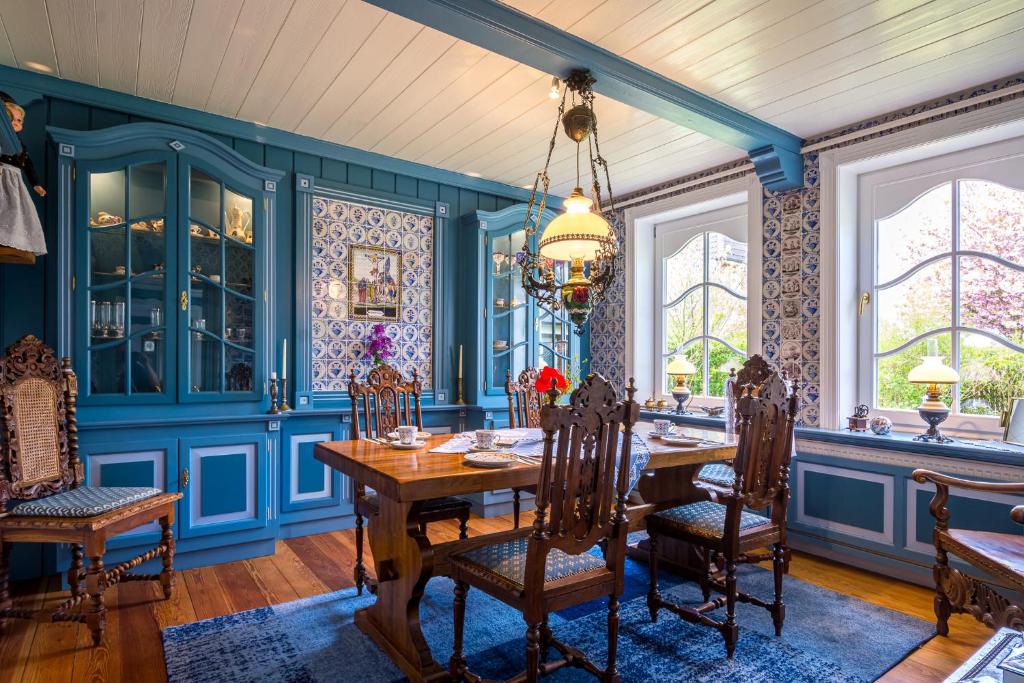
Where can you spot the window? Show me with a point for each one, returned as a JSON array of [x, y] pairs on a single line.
[[942, 245], [701, 284]]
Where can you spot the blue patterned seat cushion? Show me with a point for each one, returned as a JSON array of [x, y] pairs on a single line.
[[85, 501], [508, 561], [705, 519], [718, 474]]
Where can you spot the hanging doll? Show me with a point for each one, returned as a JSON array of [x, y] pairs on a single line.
[[21, 234]]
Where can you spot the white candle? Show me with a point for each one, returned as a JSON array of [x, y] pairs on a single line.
[[284, 360], [273, 375], [460, 361]]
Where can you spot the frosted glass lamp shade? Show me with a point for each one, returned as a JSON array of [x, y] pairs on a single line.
[[578, 233], [679, 365], [933, 371]]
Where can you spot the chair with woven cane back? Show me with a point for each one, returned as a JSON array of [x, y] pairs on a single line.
[[388, 400], [998, 555], [524, 403], [724, 526], [581, 501], [42, 498]]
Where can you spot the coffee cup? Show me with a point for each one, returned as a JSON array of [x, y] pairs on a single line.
[[662, 427], [486, 438], [407, 434]]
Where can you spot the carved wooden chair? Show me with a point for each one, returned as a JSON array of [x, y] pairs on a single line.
[[42, 499], [524, 403], [581, 501], [387, 400], [725, 527], [999, 555]]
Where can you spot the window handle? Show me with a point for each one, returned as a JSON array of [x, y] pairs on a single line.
[[865, 299]]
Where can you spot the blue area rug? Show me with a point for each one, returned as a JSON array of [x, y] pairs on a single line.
[[828, 636]]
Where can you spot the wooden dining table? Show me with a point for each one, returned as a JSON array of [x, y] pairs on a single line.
[[405, 559]]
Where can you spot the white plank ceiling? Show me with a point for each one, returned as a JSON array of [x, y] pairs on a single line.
[[349, 72]]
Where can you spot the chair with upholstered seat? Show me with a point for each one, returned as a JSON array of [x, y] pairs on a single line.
[[581, 501], [42, 498], [995, 554], [524, 402], [726, 526], [387, 401]]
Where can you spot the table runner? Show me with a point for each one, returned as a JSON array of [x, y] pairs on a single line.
[[529, 442]]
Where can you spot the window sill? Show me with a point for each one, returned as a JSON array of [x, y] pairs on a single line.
[[987, 451]]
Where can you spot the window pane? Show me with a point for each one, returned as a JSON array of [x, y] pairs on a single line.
[[149, 188], [695, 354], [684, 321], [990, 375], [991, 298], [719, 358], [684, 269], [992, 219], [894, 390], [922, 229], [727, 318], [204, 193], [920, 303], [727, 262], [106, 198]]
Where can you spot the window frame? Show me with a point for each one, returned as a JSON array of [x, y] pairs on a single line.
[[669, 239], [994, 162]]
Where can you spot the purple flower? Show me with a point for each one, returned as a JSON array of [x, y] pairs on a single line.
[[380, 346]]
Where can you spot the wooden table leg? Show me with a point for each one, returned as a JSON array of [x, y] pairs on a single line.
[[404, 562], [675, 485]]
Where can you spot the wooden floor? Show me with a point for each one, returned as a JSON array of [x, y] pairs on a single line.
[[131, 652]]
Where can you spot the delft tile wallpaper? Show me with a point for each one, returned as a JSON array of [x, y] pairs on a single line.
[[791, 258], [339, 343]]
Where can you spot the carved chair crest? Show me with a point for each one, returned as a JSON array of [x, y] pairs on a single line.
[[387, 400], [524, 401], [765, 445], [39, 453]]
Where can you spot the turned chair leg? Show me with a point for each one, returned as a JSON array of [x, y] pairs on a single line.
[[545, 639], [705, 578], [167, 544], [942, 606], [5, 593], [76, 571], [515, 508], [779, 568], [533, 653], [464, 526], [611, 673], [653, 596], [729, 629], [457, 664], [359, 572], [95, 585]]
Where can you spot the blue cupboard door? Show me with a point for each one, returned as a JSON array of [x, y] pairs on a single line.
[[308, 485], [153, 462], [225, 480]]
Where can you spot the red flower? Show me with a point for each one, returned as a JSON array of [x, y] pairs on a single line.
[[580, 295], [544, 380]]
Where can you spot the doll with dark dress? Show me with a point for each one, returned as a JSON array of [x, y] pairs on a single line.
[[20, 229]]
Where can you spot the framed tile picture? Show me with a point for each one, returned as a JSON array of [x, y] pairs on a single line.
[[374, 283]]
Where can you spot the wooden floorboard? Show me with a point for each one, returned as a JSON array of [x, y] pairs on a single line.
[[44, 652]]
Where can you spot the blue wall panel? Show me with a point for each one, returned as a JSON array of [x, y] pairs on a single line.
[[964, 513], [844, 500]]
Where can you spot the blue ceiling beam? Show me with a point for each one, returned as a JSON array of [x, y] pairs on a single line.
[[504, 30]]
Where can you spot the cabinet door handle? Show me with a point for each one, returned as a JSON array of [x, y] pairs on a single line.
[[184, 478], [184, 300]]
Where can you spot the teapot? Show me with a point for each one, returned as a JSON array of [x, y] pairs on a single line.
[[239, 222]]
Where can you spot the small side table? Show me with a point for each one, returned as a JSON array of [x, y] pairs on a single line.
[[984, 664]]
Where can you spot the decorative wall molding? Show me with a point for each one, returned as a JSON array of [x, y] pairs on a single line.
[[887, 482], [912, 490], [879, 456]]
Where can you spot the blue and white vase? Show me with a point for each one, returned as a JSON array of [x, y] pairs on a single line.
[[880, 425]]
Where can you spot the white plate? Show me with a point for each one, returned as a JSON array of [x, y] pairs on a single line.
[[419, 435], [408, 446], [490, 459], [681, 441]]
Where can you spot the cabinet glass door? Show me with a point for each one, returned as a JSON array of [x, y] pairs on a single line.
[[554, 332], [219, 299], [510, 307], [128, 219]]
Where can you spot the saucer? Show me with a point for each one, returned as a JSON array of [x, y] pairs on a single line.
[[408, 446], [480, 449], [681, 441], [671, 434], [489, 459], [419, 435]]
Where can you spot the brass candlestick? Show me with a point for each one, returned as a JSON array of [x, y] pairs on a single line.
[[273, 397], [459, 401], [284, 396]]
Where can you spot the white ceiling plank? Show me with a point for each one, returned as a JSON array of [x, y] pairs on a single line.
[[6, 51], [386, 42], [305, 28], [77, 57], [387, 89], [603, 19], [118, 59], [657, 18], [165, 24], [209, 31], [531, 7], [346, 34], [28, 29], [255, 31], [431, 85]]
